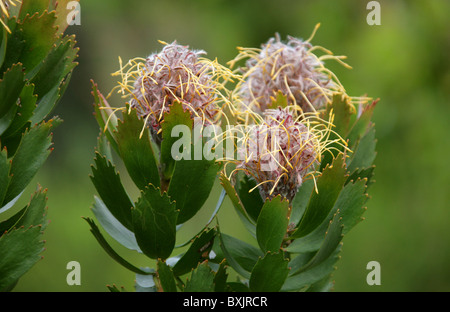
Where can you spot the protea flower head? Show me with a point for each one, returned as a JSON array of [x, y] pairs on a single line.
[[283, 150], [177, 73], [290, 68], [4, 6]]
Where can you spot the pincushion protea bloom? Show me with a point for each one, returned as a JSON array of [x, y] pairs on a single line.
[[4, 6], [290, 68], [180, 74], [281, 151]]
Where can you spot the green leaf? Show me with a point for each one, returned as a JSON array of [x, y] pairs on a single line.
[[57, 64], [176, 116], [237, 204], [339, 112], [32, 6], [220, 278], [329, 185], [235, 264], [202, 279], [272, 224], [7, 119], [21, 249], [324, 285], [34, 213], [361, 125], [309, 277], [10, 88], [30, 156], [365, 153], [146, 282], [25, 109], [33, 38], [12, 142], [350, 204], [113, 227], [109, 187], [251, 201], [199, 248], [113, 254], [4, 42], [190, 186], [4, 175], [333, 237], [216, 210], [297, 261], [366, 173], [300, 201], [104, 147], [136, 151], [269, 273], [166, 277], [244, 254], [154, 223], [52, 77], [48, 102], [342, 111]]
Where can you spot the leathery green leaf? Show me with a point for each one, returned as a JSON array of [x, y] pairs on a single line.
[[4, 174], [272, 224], [329, 185], [237, 204], [350, 204], [269, 273], [154, 223], [252, 201], [198, 251], [136, 151], [10, 87], [333, 237], [191, 185], [175, 117], [109, 250], [109, 186], [365, 153], [23, 246], [166, 277], [25, 109], [202, 279], [29, 157]]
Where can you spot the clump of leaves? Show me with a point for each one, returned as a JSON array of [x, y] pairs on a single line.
[[36, 63]]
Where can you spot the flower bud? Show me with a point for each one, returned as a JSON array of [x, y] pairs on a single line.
[[290, 68], [177, 73], [280, 152]]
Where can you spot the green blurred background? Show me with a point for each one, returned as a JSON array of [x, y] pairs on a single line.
[[404, 62]]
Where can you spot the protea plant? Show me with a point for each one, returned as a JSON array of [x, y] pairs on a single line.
[[301, 162], [321, 148], [36, 61], [175, 87]]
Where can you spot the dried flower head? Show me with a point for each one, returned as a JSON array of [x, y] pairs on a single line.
[[291, 68], [283, 150], [4, 6], [177, 73]]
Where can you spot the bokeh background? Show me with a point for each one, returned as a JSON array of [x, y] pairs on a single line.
[[404, 62]]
